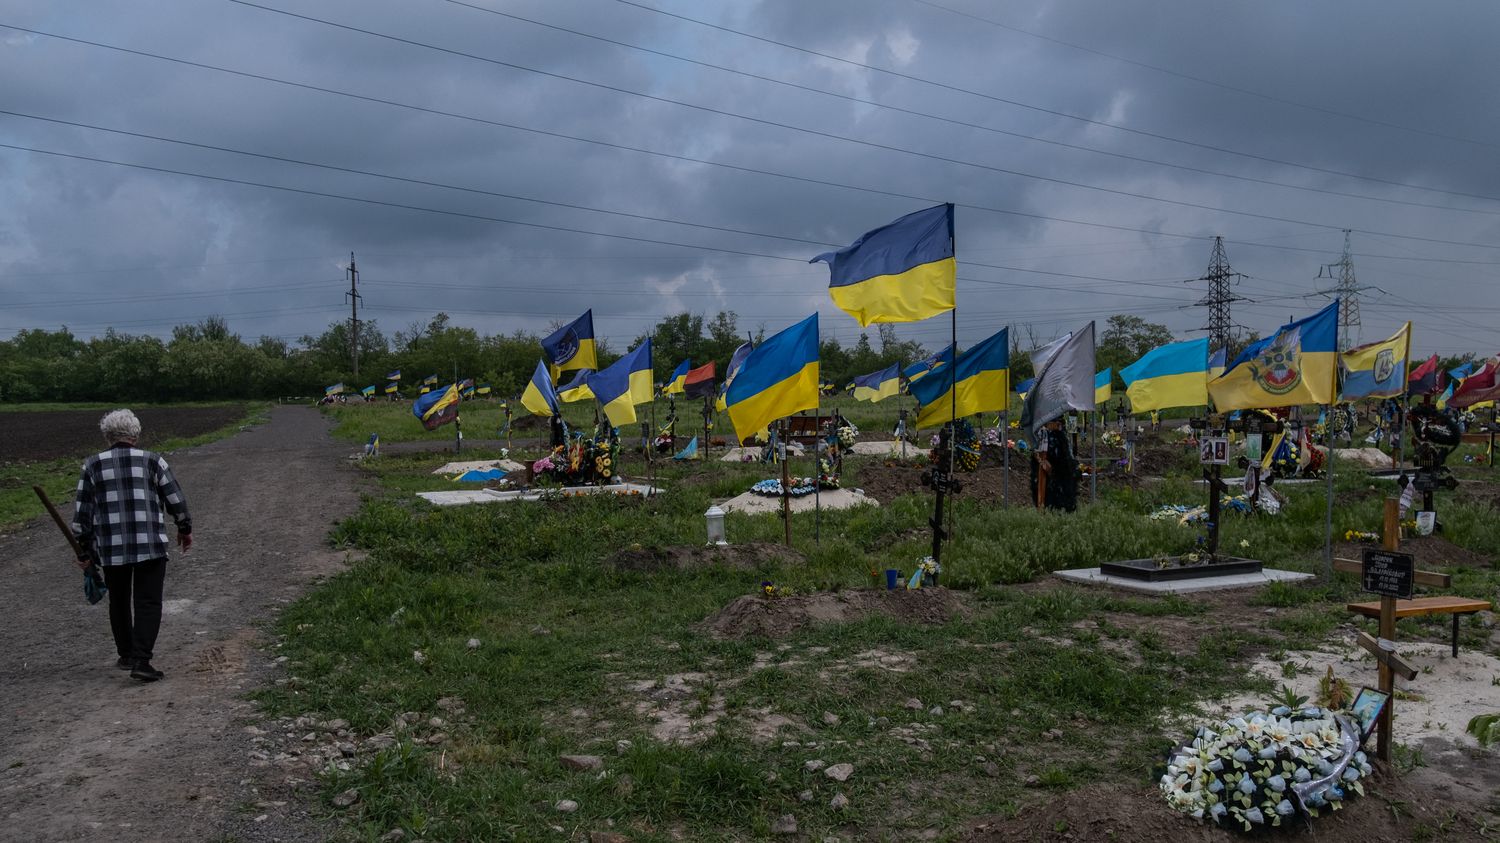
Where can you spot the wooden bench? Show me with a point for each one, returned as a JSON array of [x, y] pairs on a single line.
[[1419, 606]]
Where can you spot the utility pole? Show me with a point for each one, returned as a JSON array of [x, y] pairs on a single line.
[[1220, 278], [1348, 294], [354, 298]]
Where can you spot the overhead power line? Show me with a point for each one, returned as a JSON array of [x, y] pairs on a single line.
[[963, 123], [814, 132], [1017, 103], [1204, 81], [665, 155]]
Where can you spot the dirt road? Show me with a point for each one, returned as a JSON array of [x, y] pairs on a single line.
[[88, 754]]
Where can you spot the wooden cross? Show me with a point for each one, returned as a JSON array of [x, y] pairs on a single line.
[[1383, 649]]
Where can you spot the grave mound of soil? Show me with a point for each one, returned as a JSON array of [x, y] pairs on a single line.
[[887, 482], [1110, 812], [1429, 552], [740, 557], [756, 615]]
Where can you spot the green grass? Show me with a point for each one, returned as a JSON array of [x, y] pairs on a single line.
[[58, 478], [1103, 670]]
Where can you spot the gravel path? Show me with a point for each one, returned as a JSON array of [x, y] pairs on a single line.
[[88, 754]]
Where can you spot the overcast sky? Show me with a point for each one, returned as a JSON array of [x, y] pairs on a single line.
[[1106, 144]]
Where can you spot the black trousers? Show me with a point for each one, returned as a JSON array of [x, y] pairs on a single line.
[[136, 587]]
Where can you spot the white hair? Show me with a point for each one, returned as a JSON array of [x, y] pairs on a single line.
[[120, 424]]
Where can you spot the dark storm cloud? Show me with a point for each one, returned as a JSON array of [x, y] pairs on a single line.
[[95, 245]]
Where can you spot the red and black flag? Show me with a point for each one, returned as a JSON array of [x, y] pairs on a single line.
[[699, 382], [1427, 379]]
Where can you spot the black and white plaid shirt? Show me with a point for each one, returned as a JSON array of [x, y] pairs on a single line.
[[122, 493]]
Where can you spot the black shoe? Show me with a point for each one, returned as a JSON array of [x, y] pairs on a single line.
[[124, 663], [145, 672]]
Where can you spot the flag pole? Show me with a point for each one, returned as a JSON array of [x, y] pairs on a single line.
[[1005, 429], [458, 427], [782, 451], [953, 371], [1094, 459], [818, 476], [1328, 435]]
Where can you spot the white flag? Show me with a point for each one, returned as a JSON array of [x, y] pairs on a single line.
[[1065, 382]]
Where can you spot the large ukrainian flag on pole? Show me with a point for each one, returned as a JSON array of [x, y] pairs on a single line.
[[1296, 365], [978, 382], [1377, 370], [901, 272], [572, 346], [778, 378], [1171, 375], [625, 384], [879, 385], [540, 396]]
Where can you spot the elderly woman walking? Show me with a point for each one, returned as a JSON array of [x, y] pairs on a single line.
[[122, 495]]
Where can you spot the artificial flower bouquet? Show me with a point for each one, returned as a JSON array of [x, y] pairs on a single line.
[[1259, 770]]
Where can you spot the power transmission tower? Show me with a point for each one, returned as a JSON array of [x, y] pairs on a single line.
[[354, 299], [1348, 294], [1221, 278]]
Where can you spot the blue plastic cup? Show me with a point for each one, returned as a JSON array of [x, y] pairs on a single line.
[[892, 576]]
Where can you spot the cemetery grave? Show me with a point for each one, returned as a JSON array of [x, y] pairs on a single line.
[[607, 627]]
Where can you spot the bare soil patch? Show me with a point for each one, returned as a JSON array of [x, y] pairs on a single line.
[[739, 557], [1429, 552], [1419, 806], [757, 615], [886, 482], [54, 434]]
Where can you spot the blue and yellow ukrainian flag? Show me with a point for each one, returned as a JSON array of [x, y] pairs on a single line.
[[430, 380], [540, 397], [392, 388], [1104, 386], [483, 389], [368, 391], [901, 272], [1296, 365], [437, 407], [917, 370], [678, 382], [778, 378], [1171, 375], [572, 346], [1377, 370], [978, 383], [577, 389], [333, 390], [1024, 387], [878, 386], [393, 376], [624, 384], [424, 389]]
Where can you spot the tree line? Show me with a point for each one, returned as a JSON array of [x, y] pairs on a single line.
[[206, 360]]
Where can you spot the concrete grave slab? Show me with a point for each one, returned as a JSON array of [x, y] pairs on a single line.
[[468, 496], [478, 465], [1092, 576]]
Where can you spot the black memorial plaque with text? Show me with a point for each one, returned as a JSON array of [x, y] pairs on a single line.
[[1388, 574]]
